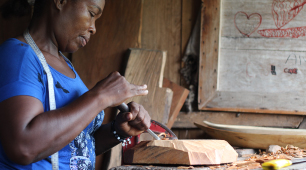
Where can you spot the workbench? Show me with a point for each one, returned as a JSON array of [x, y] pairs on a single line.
[[300, 166]]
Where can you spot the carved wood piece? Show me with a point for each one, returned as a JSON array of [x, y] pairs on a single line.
[[181, 152]]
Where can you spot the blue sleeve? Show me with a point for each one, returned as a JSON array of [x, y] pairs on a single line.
[[20, 71]]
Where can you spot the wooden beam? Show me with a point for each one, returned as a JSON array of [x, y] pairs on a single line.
[[185, 120], [209, 50]]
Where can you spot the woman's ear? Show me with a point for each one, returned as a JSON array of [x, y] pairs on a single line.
[[60, 3]]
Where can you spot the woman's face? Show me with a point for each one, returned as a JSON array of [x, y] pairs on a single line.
[[75, 23]]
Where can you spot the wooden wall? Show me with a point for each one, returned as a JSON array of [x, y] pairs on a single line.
[[151, 24]]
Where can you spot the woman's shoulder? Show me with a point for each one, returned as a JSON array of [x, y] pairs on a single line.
[[14, 49], [14, 45]]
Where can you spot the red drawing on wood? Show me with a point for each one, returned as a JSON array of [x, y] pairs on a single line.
[[247, 24], [291, 71], [284, 11], [284, 33]]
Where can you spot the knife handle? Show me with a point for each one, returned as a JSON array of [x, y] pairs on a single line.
[[125, 108]]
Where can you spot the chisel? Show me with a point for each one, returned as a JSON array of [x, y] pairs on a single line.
[[124, 108], [280, 163]]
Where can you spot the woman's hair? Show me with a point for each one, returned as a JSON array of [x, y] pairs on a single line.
[[17, 8], [21, 8]]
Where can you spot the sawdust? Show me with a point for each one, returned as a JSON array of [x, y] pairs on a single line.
[[254, 161]]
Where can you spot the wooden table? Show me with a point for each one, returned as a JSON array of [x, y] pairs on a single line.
[[140, 167]]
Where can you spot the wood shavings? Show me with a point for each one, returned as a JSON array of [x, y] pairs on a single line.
[[185, 167], [254, 161], [164, 136]]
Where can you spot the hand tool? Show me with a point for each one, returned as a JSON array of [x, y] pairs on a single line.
[[280, 163], [124, 108]]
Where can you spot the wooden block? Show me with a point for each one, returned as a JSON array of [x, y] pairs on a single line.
[[181, 152], [179, 96], [147, 67]]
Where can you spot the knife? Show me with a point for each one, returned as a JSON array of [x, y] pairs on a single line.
[[124, 108]]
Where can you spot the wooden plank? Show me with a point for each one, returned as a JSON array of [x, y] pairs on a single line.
[[161, 30], [208, 65], [179, 96], [146, 67], [181, 152], [117, 30], [275, 103], [255, 140], [252, 119]]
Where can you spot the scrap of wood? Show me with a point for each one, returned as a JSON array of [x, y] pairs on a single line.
[[146, 67], [181, 152], [179, 96]]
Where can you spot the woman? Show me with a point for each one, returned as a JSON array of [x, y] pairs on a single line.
[[29, 130]]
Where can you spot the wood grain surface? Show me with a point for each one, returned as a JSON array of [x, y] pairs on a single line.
[[181, 152], [146, 67], [209, 48], [251, 70], [162, 31], [179, 96]]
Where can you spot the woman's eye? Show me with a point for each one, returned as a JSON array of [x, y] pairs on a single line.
[[91, 14]]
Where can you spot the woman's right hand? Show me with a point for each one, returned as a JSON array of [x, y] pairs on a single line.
[[115, 89]]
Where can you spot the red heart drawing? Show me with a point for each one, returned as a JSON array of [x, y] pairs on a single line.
[[247, 24], [284, 11]]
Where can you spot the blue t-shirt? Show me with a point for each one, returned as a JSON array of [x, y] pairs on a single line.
[[21, 73]]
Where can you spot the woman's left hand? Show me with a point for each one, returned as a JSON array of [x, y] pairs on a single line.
[[134, 122]]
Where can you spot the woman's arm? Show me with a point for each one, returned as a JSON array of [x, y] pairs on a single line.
[[126, 124], [28, 134]]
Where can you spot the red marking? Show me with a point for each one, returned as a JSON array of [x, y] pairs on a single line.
[[284, 33], [284, 11], [250, 30], [291, 71]]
